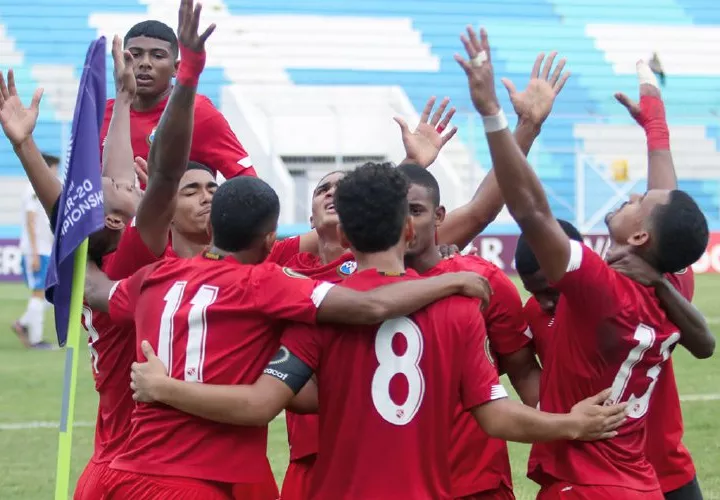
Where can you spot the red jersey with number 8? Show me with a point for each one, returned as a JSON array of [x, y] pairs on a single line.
[[388, 393], [609, 332], [210, 320]]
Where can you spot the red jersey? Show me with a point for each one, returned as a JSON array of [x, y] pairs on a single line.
[[112, 351], [479, 462], [540, 327], [212, 321], [284, 250], [665, 450], [213, 142], [609, 332], [384, 392], [303, 429]]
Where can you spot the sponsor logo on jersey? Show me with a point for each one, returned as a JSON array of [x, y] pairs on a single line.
[[293, 274], [151, 137], [347, 268]]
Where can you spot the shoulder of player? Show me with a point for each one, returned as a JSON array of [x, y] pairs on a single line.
[[204, 108]]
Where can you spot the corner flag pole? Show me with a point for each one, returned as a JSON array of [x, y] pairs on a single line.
[[67, 413]]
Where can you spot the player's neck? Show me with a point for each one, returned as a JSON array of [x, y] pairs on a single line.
[[425, 261], [388, 261], [146, 103], [186, 248], [329, 247]]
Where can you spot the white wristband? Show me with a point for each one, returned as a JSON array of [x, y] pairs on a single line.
[[495, 123]]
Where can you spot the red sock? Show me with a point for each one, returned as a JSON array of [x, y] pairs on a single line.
[[191, 65], [652, 118]]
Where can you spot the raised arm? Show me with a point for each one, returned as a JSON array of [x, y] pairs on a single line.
[[347, 306], [97, 288], [649, 113], [532, 106], [520, 187], [118, 153], [170, 150], [18, 123]]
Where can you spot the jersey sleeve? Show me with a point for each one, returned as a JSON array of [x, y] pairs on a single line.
[[215, 144], [504, 318], [684, 282], [284, 250], [130, 255], [479, 379], [305, 342], [281, 293], [123, 297], [588, 283]]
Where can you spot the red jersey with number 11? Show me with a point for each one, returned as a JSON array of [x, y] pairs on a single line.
[[609, 332], [388, 393]]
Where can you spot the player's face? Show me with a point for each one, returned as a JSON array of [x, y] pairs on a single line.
[[154, 64], [192, 213], [538, 285], [426, 218], [323, 206], [120, 198], [629, 224]]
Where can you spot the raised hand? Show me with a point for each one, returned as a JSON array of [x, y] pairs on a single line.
[[536, 101], [141, 170], [18, 122], [146, 377], [648, 84], [595, 420], [424, 144], [479, 71], [125, 83], [188, 23]]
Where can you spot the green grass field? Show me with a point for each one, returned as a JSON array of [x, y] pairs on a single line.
[[31, 391]]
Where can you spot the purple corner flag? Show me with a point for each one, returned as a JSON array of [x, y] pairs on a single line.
[[80, 209]]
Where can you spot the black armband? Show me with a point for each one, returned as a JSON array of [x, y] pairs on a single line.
[[288, 368]]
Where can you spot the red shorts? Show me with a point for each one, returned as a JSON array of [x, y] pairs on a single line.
[[567, 491], [89, 485], [122, 485], [296, 485], [502, 492], [267, 490]]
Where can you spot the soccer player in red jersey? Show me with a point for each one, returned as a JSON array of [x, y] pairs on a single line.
[[154, 49], [384, 389], [193, 312], [610, 330]]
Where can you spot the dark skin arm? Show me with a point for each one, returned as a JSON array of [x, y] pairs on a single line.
[[524, 372], [170, 150]]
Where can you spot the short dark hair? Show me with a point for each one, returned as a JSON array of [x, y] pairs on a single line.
[[420, 176], [680, 233], [525, 261], [371, 202], [153, 29], [243, 208], [51, 160], [194, 165]]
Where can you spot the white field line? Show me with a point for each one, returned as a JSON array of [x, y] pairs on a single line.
[[21, 426]]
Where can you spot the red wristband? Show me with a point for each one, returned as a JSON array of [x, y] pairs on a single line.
[[191, 65], [652, 119]]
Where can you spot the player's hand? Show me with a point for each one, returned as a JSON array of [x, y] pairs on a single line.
[[448, 251], [35, 263], [188, 23], [424, 144], [636, 269], [147, 378], [18, 122], [473, 285], [648, 84], [479, 71], [535, 102], [594, 421], [125, 84], [141, 170]]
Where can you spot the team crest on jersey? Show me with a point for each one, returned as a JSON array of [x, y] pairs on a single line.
[[293, 274], [347, 268], [151, 137], [488, 351]]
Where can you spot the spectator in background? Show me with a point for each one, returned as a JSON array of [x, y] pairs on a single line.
[[36, 241], [154, 48]]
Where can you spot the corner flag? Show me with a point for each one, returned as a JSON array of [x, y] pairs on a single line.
[[80, 213]]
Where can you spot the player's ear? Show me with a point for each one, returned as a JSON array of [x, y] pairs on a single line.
[[270, 239], [440, 213], [639, 238], [177, 67], [312, 222], [342, 237], [409, 229], [114, 222]]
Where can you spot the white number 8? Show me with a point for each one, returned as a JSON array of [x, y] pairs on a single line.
[[390, 364]]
